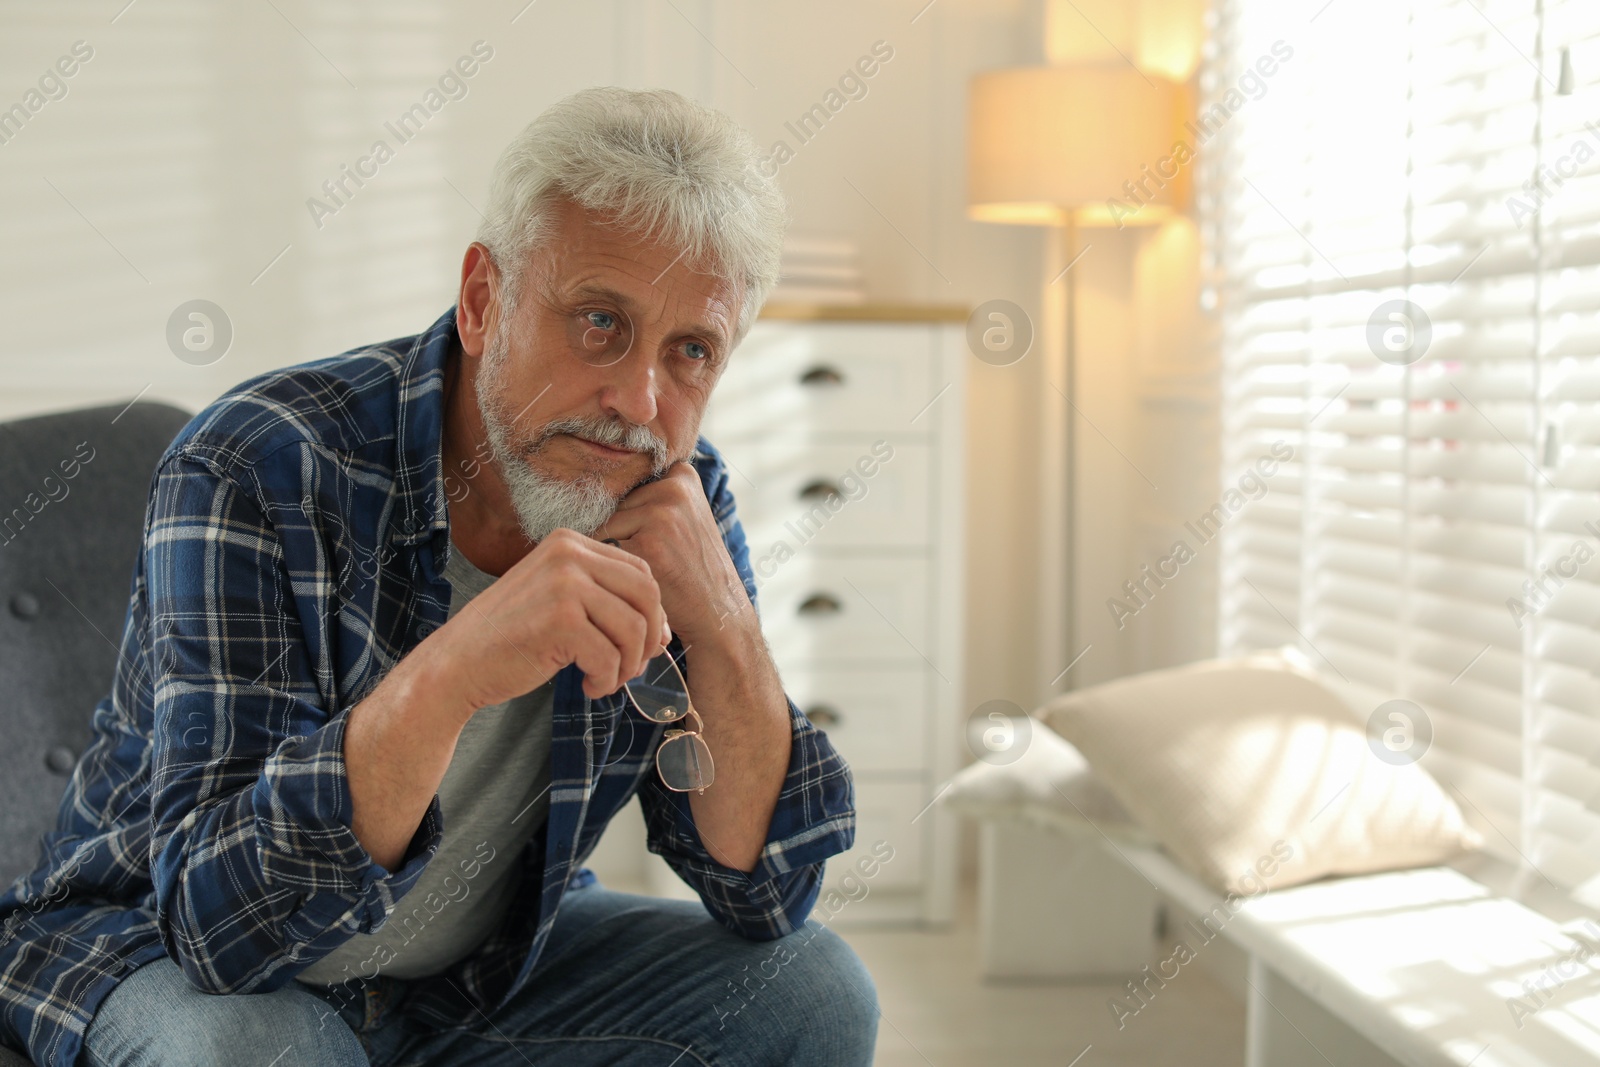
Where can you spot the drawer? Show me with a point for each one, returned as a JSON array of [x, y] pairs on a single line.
[[884, 810], [815, 608], [829, 378], [822, 496], [877, 717]]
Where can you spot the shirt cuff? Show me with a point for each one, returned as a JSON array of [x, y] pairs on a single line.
[[303, 827], [814, 817]]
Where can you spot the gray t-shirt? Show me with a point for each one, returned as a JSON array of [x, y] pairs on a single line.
[[495, 794]]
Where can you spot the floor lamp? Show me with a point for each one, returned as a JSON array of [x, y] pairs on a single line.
[[1070, 147]]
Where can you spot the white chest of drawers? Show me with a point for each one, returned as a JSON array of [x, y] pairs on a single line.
[[843, 430]]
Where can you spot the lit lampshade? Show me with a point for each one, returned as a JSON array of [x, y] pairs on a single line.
[[1043, 142]]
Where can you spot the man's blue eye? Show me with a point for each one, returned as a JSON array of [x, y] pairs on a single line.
[[601, 320], [696, 351]]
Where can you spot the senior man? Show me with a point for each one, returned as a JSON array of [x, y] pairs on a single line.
[[404, 636]]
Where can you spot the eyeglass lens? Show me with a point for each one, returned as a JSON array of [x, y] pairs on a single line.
[[660, 693], [685, 763]]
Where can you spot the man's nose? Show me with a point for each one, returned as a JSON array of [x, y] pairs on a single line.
[[630, 390]]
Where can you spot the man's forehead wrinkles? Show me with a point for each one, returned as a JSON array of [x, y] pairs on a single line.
[[705, 283]]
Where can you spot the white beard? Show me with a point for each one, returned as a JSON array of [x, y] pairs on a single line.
[[543, 503]]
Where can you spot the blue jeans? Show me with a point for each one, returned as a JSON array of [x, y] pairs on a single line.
[[623, 979]]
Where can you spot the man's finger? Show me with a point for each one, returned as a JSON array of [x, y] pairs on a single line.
[[620, 526], [612, 550], [628, 629], [626, 575]]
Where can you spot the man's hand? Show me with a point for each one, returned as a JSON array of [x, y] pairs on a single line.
[[668, 524], [733, 682], [570, 600]]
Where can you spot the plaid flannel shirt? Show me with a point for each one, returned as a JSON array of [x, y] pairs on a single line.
[[294, 541]]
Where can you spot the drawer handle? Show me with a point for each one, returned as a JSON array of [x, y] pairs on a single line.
[[820, 376], [819, 491], [821, 604], [824, 716]]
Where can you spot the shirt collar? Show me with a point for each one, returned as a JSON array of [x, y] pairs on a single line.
[[422, 511]]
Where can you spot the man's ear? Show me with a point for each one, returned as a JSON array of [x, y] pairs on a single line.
[[478, 305]]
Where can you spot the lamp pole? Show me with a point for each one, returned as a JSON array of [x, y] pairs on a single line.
[[1069, 489], [1057, 479], [1043, 144]]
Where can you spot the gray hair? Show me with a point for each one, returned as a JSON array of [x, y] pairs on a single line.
[[654, 162]]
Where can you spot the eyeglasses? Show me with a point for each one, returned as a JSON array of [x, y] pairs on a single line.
[[661, 695]]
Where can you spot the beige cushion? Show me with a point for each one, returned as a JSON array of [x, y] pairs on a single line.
[[1254, 774], [1049, 785]]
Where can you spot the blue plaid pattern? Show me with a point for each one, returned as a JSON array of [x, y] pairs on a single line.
[[294, 543]]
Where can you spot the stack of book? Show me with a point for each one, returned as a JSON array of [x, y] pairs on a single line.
[[818, 270]]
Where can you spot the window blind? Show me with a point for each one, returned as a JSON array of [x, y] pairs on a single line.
[[182, 159], [1403, 250]]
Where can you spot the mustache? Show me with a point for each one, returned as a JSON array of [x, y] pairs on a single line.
[[618, 433]]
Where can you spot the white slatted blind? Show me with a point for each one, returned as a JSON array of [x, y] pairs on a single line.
[[1564, 638], [176, 164], [1386, 161]]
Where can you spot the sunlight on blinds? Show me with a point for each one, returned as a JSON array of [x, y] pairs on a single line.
[[1406, 262], [1563, 640]]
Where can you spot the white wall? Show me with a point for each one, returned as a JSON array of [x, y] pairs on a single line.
[[180, 161]]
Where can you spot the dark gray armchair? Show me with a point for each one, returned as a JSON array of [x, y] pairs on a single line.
[[70, 532]]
